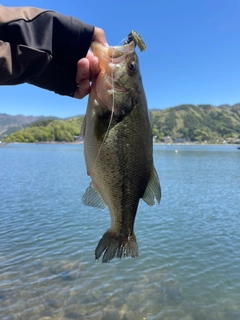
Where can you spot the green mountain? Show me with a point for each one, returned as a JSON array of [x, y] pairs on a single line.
[[48, 130], [10, 124], [182, 123], [197, 123]]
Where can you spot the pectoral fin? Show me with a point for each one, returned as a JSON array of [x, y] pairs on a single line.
[[93, 198], [153, 189]]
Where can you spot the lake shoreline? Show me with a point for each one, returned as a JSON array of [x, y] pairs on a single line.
[[155, 143]]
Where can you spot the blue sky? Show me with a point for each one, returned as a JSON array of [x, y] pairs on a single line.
[[192, 56]]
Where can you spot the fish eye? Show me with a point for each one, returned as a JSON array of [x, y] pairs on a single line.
[[132, 66]]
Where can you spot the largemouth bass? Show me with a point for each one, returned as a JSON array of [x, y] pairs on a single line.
[[118, 148]]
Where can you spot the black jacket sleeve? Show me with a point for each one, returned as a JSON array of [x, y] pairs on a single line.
[[42, 48]]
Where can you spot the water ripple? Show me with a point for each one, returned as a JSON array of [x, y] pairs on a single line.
[[189, 261]]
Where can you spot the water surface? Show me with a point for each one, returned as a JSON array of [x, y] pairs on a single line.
[[189, 263]]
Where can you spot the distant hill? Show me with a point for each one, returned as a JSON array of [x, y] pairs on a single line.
[[197, 122], [48, 130], [10, 124], [182, 123], [235, 108]]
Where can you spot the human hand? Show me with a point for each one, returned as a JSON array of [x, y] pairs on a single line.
[[99, 36], [88, 68]]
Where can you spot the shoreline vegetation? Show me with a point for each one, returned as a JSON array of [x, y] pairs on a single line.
[[184, 124]]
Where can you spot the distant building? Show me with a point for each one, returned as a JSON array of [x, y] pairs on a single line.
[[181, 140], [168, 139]]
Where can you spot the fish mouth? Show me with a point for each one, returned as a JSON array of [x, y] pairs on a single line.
[[111, 55], [112, 62]]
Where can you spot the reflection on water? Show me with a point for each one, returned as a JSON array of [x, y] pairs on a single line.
[[189, 261]]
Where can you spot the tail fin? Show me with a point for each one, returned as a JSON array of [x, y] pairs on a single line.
[[115, 246]]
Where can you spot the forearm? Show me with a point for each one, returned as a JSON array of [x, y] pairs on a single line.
[[42, 48]]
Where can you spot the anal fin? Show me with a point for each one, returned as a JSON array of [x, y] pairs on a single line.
[[153, 189], [93, 198]]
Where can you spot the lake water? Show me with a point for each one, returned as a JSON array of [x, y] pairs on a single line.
[[189, 263]]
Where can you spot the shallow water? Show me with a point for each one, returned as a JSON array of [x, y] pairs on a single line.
[[189, 263]]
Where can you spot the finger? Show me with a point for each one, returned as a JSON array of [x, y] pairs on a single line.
[[94, 67], [89, 54], [83, 89], [99, 36], [83, 70]]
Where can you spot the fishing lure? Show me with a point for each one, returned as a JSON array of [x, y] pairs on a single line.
[[135, 36]]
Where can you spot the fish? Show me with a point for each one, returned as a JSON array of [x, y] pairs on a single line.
[[118, 148]]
